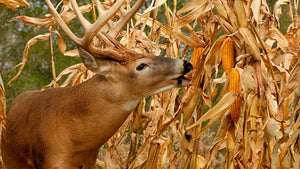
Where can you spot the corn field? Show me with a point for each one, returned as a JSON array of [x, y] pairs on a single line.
[[241, 108]]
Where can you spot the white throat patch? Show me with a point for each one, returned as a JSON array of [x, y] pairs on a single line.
[[164, 89], [130, 105], [103, 68]]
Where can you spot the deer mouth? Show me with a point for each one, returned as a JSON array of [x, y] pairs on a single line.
[[183, 80]]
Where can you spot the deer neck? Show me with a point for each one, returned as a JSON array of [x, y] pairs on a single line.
[[103, 108]]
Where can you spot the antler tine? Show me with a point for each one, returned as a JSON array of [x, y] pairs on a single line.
[[92, 29], [63, 25], [125, 17], [99, 7], [84, 22]]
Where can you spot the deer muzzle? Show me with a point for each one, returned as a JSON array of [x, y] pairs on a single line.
[[184, 80]]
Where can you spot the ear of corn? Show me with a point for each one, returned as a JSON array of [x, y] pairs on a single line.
[[234, 86], [228, 55], [196, 54]]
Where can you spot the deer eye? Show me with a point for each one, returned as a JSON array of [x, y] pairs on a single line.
[[141, 67]]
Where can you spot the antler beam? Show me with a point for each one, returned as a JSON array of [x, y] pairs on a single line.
[[96, 28], [62, 24]]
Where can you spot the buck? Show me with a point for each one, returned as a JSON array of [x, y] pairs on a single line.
[[65, 127]]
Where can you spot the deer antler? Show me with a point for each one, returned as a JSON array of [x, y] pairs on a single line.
[[119, 53]]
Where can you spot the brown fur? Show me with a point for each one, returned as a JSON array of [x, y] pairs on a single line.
[[60, 127]]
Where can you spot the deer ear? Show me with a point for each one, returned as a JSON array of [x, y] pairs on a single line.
[[89, 60]]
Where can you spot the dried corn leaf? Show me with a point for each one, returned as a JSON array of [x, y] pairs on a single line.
[[264, 30], [240, 12], [72, 53], [220, 9], [227, 26], [280, 38], [219, 139], [139, 41], [232, 18], [36, 21], [66, 15], [272, 104], [191, 98], [201, 162], [255, 8], [251, 41], [191, 6], [196, 8], [25, 53], [152, 23], [100, 163], [282, 71], [293, 81], [293, 36], [249, 79], [187, 40], [230, 146], [256, 139], [71, 71], [61, 43], [112, 160], [153, 156], [277, 8], [257, 145], [13, 4], [214, 56], [294, 134], [142, 155], [217, 111], [154, 6], [272, 129]]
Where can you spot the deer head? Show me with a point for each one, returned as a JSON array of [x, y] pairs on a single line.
[[137, 74], [142, 76]]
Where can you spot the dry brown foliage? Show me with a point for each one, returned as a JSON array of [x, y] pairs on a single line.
[[13, 4], [170, 130]]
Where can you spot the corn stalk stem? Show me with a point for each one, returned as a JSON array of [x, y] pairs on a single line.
[[259, 79], [198, 129], [230, 146], [268, 58], [94, 11], [52, 58], [152, 36]]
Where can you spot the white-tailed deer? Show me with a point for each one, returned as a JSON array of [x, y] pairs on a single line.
[[65, 127]]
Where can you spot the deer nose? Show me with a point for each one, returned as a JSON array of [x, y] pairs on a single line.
[[187, 67]]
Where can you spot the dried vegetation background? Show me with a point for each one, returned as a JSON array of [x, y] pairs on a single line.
[[246, 118]]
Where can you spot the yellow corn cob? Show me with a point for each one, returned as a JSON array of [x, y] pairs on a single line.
[[197, 52], [234, 86], [228, 55]]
